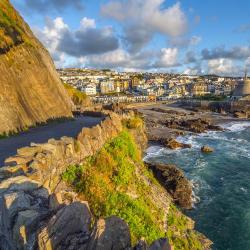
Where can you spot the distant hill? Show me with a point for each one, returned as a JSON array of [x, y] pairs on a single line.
[[30, 88]]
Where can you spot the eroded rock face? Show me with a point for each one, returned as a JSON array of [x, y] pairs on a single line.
[[174, 180], [35, 216], [31, 91], [111, 233], [69, 228]]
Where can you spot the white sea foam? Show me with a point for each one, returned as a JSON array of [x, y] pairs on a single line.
[[244, 190], [189, 139], [236, 126], [152, 152]]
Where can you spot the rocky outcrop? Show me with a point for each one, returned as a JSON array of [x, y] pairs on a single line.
[[110, 233], [174, 180], [33, 215], [173, 144], [207, 149], [39, 211], [200, 125], [31, 90]]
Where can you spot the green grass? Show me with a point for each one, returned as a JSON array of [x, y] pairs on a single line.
[[108, 181], [133, 123], [77, 96], [180, 231], [12, 28]]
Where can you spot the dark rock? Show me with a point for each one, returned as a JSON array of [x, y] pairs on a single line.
[[175, 182], [68, 221], [207, 149], [173, 144], [141, 245], [161, 244]]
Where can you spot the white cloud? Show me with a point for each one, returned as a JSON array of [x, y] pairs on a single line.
[[221, 67], [192, 71], [87, 40], [141, 19], [50, 36], [168, 58], [88, 23]]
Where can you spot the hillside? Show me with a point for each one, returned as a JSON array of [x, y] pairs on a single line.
[[93, 192], [31, 91]]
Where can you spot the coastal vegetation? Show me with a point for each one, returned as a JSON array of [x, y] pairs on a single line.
[[12, 29], [78, 97], [133, 123], [113, 183]]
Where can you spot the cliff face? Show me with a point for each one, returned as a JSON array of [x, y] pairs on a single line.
[[31, 91], [49, 201]]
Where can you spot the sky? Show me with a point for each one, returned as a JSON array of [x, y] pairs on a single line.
[[185, 36]]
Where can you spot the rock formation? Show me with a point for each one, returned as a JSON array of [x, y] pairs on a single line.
[[173, 144], [174, 180], [31, 90], [39, 211], [207, 149]]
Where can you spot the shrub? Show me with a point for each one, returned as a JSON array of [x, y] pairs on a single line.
[[133, 123], [78, 97]]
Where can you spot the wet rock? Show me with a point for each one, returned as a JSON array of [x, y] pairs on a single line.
[[173, 144], [175, 182], [207, 149], [241, 114], [111, 233]]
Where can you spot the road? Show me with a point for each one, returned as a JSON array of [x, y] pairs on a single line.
[[9, 146]]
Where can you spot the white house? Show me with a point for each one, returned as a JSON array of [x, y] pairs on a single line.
[[89, 89]]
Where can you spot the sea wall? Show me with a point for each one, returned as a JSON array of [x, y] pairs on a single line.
[[218, 106]]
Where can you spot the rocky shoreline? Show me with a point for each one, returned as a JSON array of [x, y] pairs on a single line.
[[164, 123]]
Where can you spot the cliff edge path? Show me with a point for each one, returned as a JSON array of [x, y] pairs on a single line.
[[9, 146]]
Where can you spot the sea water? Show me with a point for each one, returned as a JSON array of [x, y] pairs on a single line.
[[221, 183]]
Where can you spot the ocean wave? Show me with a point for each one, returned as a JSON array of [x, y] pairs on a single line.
[[236, 126], [189, 139], [244, 190]]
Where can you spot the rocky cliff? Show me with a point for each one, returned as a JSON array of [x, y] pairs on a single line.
[[90, 192], [31, 91]]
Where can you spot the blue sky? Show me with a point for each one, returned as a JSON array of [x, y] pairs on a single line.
[[190, 36]]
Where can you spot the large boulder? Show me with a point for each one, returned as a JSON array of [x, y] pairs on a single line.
[[111, 233], [175, 182], [161, 244], [207, 149], [174, 144], [69, 228]]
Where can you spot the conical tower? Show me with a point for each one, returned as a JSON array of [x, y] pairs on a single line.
[[242, 91]]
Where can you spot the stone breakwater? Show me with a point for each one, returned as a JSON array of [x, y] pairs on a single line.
[[38, 212]]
